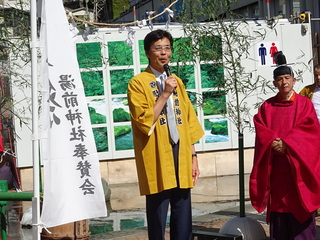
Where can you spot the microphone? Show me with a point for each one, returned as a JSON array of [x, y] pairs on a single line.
[[168, 72]]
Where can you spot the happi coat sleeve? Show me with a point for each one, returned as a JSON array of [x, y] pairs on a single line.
[[153, 150], [297, 125], [308, 91]]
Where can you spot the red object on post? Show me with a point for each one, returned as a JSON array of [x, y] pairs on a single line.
[[1, 140]]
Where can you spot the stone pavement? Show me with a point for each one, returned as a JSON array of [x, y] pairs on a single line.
[[208, 222]]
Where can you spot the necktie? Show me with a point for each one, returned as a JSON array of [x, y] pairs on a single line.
[[171, 118]]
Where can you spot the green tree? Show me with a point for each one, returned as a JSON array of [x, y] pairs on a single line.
[[223, 41], [120, 6], [14, 54]]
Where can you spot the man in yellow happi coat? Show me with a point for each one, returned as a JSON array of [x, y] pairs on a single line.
[[313, 91], [166, 161]]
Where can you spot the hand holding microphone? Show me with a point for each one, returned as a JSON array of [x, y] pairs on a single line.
[[168, 72]]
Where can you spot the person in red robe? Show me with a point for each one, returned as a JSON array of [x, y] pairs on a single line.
[[285, 177]]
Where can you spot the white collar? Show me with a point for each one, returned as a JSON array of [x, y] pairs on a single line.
[[156, 72]]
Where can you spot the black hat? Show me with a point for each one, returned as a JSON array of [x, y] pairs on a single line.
[[283, 68], [279, 58]]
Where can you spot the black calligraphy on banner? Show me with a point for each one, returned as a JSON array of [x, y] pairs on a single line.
[[77, 134], [84, 167], [74, 116], [52, 105], [70, 99], [66, 82]]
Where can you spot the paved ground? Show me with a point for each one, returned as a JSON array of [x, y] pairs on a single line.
[[209, 222]]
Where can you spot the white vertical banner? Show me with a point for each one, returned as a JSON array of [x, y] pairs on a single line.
[[72, 182]]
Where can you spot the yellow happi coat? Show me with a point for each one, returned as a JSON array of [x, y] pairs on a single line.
[[153, 150]]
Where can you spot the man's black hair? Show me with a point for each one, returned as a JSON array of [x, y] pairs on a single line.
[[154, 36]]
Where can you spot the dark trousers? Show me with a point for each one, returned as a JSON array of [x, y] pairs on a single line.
[[284, 226], [180, 205], [180, 218]]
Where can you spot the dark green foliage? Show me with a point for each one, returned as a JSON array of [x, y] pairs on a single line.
[[123, 137], [186, 72], [95, 117], [217, 127], [212, 75], [89, 54], [220, 128], [101, 138], [182, 50], [193, 99], [120, 54], [120, 115], [210, 47], [121, 130], [119, 6], [143, 57], [214, 103], [120, 80], [92, 83]]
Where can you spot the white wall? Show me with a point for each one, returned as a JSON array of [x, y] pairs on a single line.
[[288, 37]]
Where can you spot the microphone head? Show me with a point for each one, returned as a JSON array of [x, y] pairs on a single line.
[[168, 72], [167, 69]]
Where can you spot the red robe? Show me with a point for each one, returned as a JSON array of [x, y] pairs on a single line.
[[288, 182]]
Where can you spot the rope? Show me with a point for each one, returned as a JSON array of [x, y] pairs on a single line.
[[120, 24], [6, 152]]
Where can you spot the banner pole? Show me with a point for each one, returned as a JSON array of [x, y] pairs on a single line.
[[35, 123]]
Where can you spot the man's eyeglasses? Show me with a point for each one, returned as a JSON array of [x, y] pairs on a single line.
[[161, 48]]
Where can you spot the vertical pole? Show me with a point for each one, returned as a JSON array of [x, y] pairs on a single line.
[[241, 175], [134, 14], [268, 8], [3, 220], [35, 136]]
